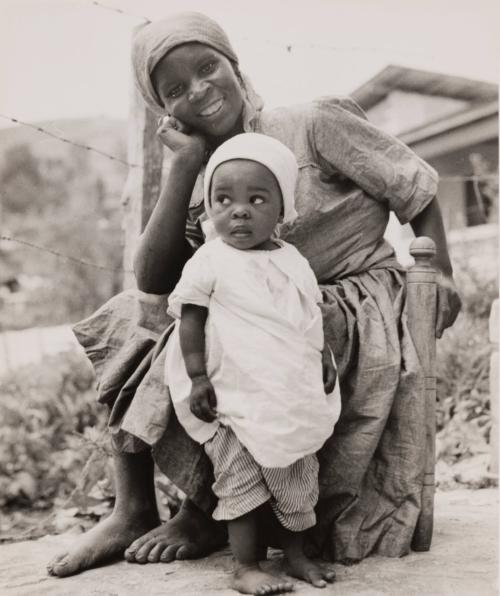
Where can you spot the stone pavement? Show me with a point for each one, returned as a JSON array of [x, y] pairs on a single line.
[[463, 562]]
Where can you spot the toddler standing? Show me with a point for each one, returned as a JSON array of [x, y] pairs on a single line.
[[247, 368]]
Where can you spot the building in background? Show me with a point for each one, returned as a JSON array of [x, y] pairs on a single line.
[[452, 123]]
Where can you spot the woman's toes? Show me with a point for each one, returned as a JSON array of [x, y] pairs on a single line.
[[187, 551], [64, 566], [131, 551], [57, 565], [141, 556], [156, 552], [169, 554]]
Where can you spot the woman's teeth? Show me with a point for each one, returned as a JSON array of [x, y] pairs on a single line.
[[213, 108]]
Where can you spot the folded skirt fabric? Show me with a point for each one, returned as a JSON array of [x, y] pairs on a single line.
[[371, 469]]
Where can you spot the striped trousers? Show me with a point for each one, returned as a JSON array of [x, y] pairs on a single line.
[[241, 484]]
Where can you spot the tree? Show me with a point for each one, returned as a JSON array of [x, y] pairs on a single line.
[[21, 181]]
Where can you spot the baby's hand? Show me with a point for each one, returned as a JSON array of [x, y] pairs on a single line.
[[202, 399], [329, 370]]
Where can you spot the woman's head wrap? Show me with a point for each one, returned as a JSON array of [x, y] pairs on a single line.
[[153, 41], [265, 150]]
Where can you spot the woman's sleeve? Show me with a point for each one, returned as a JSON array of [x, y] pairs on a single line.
[[384, 167], [195, 285]]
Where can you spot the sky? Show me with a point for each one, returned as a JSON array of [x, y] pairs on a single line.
[[70, 58]]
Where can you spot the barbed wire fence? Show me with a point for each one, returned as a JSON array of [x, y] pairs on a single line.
[[287, 46], [69, 141], [63, 256], [77, 261]]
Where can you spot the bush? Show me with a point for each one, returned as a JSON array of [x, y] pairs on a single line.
[[463, 355], [55, 454], [53, 444]]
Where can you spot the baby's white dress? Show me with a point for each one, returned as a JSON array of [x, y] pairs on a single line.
[[264, 338]]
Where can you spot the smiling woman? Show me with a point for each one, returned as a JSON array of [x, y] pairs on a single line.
[[200, 87]]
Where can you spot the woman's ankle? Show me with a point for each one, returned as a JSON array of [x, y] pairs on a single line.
[[134, 508], [240, 567]]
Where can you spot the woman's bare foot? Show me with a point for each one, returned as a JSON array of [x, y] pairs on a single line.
[[303, 568], [189, 535], [134, 513], [250, 579], [102, 543]]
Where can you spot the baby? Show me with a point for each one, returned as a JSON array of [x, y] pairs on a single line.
[[247, 368]]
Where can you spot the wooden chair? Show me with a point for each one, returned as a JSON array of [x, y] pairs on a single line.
[[140, 195], [421, 309]]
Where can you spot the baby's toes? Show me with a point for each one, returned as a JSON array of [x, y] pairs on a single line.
[[329, 575], [314, 575], [319, 577], [316, 580], [274, 589]]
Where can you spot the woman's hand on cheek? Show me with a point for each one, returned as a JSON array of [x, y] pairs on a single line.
[[175, 135], [329, 370], [449, 303]]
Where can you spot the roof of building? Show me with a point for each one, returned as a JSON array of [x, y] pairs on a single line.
[[484, 112], [401, 78]]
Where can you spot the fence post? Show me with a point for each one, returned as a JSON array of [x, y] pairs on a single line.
[[494, 394], [421, 310], [143, 184]]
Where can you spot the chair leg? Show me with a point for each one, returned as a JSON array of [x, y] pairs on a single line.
[[421, 310]]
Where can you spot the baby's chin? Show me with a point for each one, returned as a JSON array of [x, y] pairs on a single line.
[[239, 243], [248, 243]]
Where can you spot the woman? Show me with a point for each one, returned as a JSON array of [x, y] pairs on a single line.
[[351, 175]]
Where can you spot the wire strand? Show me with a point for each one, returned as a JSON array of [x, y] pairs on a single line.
[[63, 256], [121, 11], [290, 46], [284, 45], [69, 141]]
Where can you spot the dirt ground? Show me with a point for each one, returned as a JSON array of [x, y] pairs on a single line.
[[463, 561]]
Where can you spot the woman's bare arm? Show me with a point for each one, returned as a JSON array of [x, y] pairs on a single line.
[[163, 249], [429, 222]]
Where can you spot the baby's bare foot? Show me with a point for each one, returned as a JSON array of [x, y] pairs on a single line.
[[189, 535], [314, 573], [105, 541], [250, 579]]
